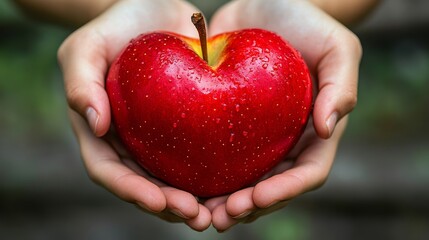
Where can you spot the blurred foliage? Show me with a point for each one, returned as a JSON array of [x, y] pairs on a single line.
[[392, 99], [30, 85], [280, 227]]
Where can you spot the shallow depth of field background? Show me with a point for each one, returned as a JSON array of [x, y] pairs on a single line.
[[378, 187]]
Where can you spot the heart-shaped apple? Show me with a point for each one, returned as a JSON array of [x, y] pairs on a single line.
[[209, 128]]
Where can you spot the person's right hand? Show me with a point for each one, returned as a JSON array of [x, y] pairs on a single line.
[[85, 57]]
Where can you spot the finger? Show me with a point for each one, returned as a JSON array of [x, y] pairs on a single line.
[[84, 68], [202, 221], [309, 172], [337, 80], [212, 203], [221, 220], [165, 215], [240, 204], [105, 168], [181, 203]]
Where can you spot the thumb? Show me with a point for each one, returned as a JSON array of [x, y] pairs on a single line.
[[84, 67]]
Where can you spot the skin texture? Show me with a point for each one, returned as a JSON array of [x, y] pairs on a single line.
[[331, 51]]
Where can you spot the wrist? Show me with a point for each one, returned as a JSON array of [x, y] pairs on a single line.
[[64, 12], [346, 12]]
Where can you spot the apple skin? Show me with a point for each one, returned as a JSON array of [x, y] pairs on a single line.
[[209, 129]]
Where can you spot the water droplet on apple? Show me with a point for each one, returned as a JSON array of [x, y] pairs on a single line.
[[245, 133], [183, 115], [231, 137], [224, 106], [275, 67], [231, 125], [267, 50], [237, 107], [217, 120], [264, 66], [265, 59], [174, 125]]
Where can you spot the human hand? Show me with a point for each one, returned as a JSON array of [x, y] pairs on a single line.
[[333, 55], [85, 57], [304, 169]]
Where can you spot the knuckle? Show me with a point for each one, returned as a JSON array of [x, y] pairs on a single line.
[[69, 44], [356, 45], [63, 50], [73, 96], [350, 100]]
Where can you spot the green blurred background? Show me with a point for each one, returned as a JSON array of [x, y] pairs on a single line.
[[378, 187]]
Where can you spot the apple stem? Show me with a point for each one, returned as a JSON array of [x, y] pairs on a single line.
[[199, 23]]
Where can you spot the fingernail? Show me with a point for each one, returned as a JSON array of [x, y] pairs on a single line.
[[331, 122], [144, 207], [178, 213], [92, 118], [242, 215], [271, 204]]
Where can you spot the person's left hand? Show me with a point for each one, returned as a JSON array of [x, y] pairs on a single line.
[[333, 54], [306, 168]]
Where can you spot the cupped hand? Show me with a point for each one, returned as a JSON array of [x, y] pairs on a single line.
[[333, 54], [304, 169], [84, 58]]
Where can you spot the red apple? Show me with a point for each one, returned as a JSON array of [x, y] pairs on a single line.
[[209, 128]]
